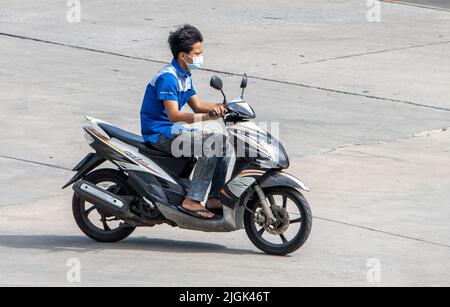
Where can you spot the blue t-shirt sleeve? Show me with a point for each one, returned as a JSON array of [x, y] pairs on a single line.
[[167, 87]]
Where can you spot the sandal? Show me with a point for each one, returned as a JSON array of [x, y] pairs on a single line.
[[194, 213], [218, 211]]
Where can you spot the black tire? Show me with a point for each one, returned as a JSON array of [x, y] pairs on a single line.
[[79, 208], [304, 229]]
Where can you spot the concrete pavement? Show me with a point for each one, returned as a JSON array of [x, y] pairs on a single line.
[[363, 110]]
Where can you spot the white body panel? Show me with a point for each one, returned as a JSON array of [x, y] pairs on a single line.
[[140, 162]]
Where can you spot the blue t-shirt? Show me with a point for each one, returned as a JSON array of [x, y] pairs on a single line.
[[170, 83]]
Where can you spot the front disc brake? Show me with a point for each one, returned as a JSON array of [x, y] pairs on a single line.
[[282, 221]]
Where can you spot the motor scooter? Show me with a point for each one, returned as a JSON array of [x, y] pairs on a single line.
[[146, 186]]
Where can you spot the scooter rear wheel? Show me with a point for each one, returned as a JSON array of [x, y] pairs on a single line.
[[94, 223], [293, 226]]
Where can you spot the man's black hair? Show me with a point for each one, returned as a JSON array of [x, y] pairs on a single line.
[[183, 39]]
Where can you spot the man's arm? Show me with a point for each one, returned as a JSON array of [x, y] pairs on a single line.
[[202, 107], [176, 115]]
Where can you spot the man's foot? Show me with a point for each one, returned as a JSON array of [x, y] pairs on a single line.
[[195, 208], [215, 205]]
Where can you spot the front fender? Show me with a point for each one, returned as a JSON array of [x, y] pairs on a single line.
[[280, 178]]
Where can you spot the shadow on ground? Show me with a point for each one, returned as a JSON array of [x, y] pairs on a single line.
[[82, 244]]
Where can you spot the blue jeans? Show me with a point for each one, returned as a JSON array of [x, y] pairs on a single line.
[[212, 165]]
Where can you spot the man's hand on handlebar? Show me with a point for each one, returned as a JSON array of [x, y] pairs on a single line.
[[217, 112]]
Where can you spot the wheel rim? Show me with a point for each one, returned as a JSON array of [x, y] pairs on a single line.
[[98, 220], [294, 210]]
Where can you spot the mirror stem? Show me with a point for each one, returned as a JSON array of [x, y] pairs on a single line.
[[224, 97]]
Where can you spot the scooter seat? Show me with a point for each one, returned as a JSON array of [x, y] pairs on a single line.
[[134, 140], [181, 167], [149, 150], [122, 135]]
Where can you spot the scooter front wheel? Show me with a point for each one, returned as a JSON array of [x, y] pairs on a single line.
[[293, 225]]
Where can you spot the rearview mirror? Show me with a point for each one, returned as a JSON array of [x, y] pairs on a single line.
[[244, 81], [244, 85], [216, 83]]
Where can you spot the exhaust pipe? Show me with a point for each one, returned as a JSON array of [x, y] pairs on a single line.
[[111, 204], [102, 199]]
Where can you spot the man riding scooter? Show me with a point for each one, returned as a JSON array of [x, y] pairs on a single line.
[[147, 186], [165, 96]]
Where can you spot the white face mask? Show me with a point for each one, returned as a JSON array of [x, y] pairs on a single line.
[[197, 62]]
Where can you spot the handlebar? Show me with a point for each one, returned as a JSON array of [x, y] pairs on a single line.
[[213, 113]]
